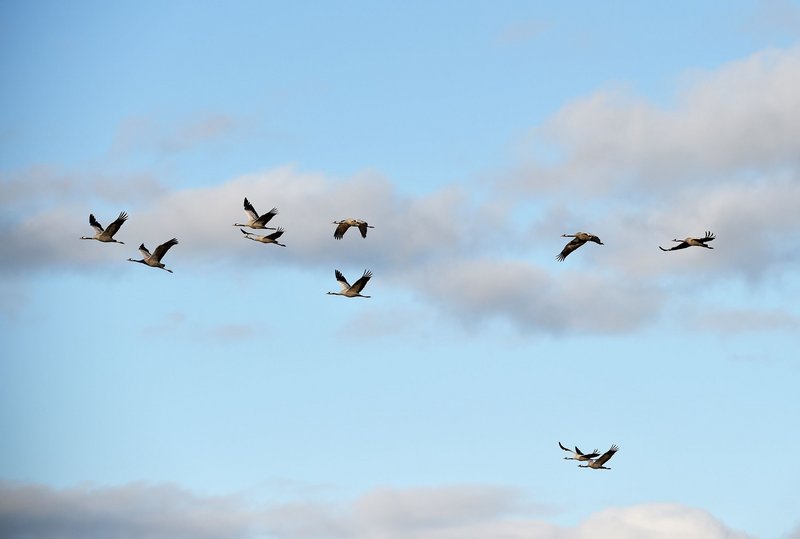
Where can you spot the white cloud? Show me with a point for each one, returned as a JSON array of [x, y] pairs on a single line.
[[655, 521], [726, 124], [449, 512], [535, 300]]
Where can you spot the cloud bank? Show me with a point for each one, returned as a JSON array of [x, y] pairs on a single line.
[[150, 511], [725, 157]]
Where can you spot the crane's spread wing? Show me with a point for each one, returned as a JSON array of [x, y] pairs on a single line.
[[709, 237], [595, 239], [113, 227], [681, 245], [568, 248], [362, 226], [342, 281], [250, 210], [162, 249], [144, 251], [264, 219], [94, 224], [340, 230], [578, 451], [275, 235], [564, 448], [359, 285], [607, 455]]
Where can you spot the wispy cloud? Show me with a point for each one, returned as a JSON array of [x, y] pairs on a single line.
[[42, 187], [520, 32], [447, 512], [737, 321], [148, 134]]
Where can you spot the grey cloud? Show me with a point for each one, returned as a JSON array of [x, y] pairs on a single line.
[[408, 229], [131, 511], [442, 246], [737, 321], [449, 512], [40, 187], [44, 211], [742, 117], [756, 226], [536, 301], [773, 17], [435, 507]]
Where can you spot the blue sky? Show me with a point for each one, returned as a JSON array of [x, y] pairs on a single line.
[[235, 399]]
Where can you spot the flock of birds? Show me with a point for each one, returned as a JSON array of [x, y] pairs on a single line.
[[255, 221], [259, 222], [582, 237], [593, 460]]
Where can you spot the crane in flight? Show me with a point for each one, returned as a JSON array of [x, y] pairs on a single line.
[[106, 235], [256, 220], [345, 224], [154, 260], [579, 239], [597, 464], [692, 242], [354, 290]]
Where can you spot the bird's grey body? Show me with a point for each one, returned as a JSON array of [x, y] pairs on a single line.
[[597, 464], [269, 238], [106, 235], [578, 454], [154, 260], [256, 220], [345, 224], [692, 242], [579, 239], [354, 290]]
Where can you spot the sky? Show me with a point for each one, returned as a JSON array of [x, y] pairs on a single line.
[[235, 399]]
